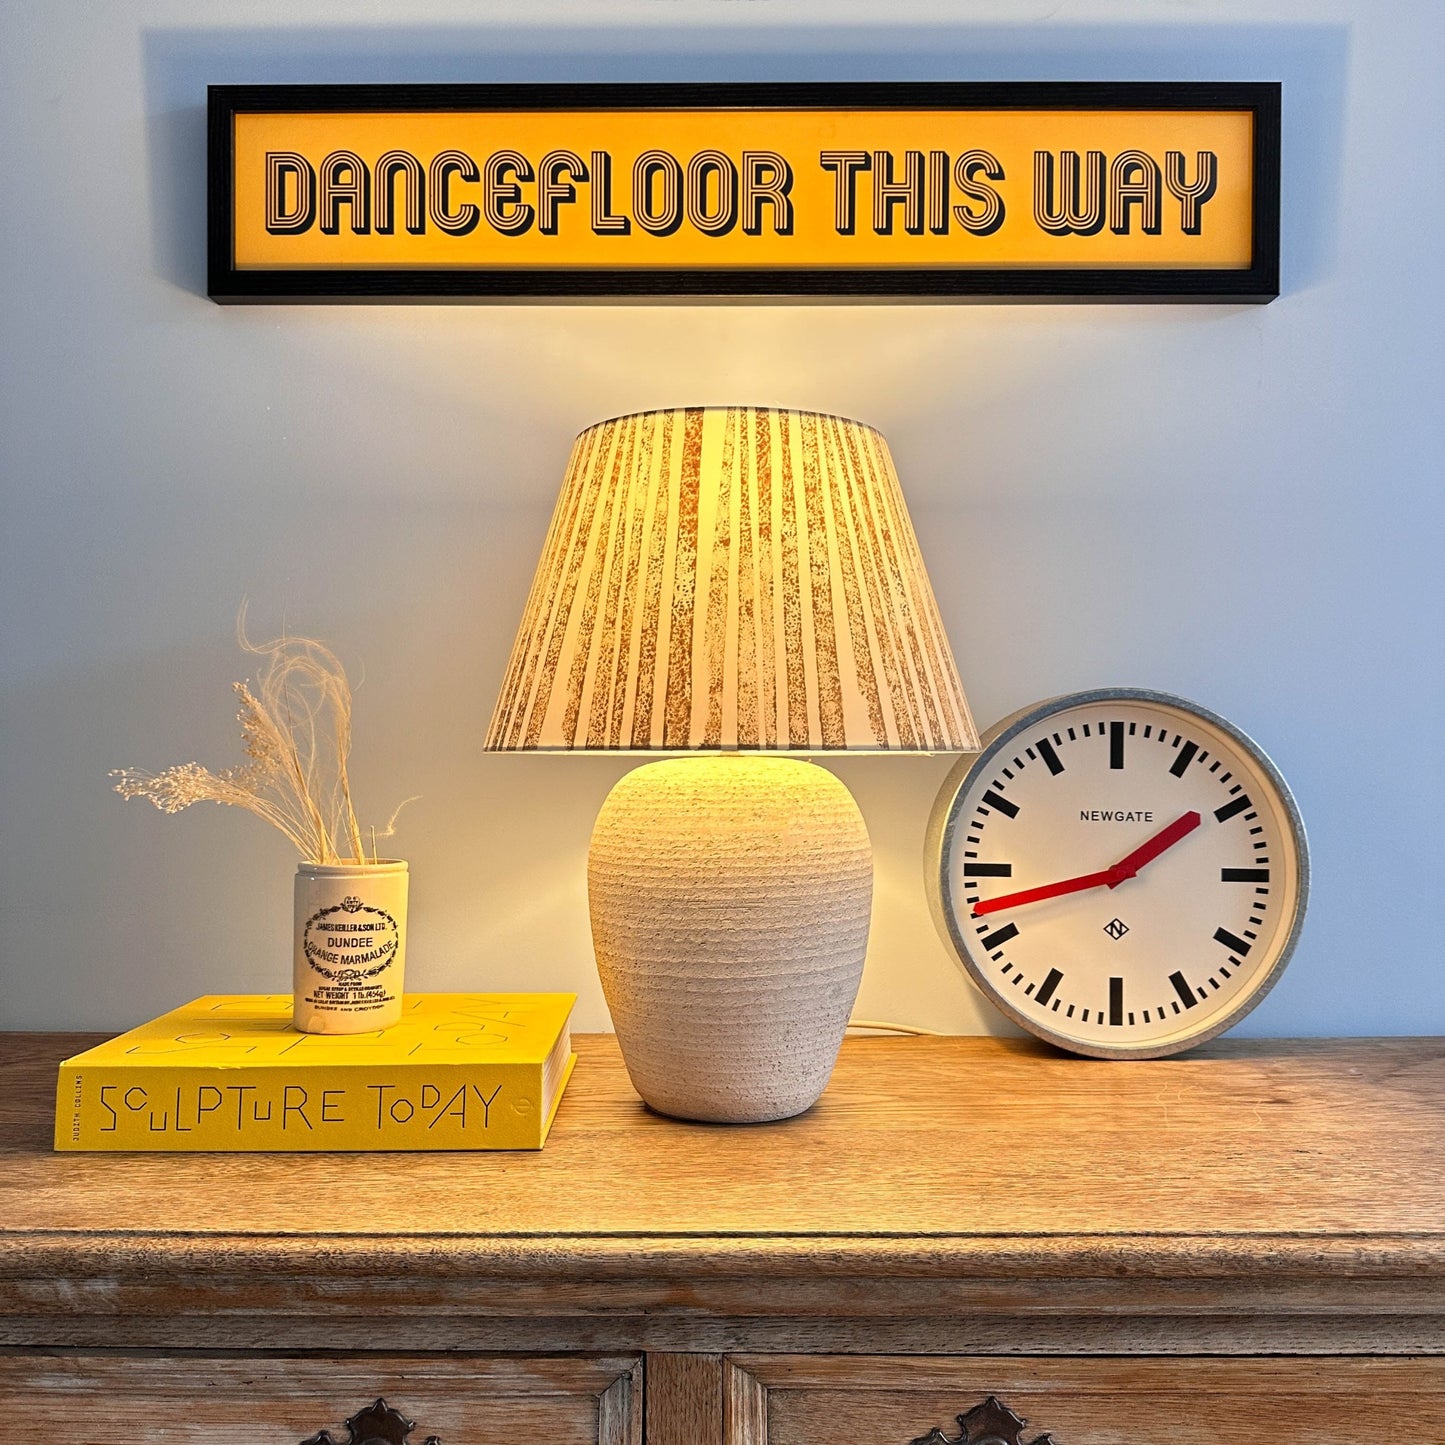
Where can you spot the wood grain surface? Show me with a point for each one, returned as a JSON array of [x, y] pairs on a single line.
[[1145, 1252], [684, 1398], [927, 1137]]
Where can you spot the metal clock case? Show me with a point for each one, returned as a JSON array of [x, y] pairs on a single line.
[[1123, 872]]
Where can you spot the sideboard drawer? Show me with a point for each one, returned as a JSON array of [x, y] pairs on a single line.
[[886, 1400], [83, 1398]]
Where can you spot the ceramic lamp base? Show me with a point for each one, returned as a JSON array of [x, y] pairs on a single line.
[[730, 900]]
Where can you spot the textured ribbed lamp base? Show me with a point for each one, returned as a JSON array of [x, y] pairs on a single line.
[[730, 899]]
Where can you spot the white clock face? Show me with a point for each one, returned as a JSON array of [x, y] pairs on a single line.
[[1123, 873]]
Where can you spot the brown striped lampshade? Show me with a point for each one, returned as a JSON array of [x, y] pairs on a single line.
[[731, 578]]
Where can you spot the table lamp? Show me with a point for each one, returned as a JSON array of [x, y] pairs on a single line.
[[730, 584]]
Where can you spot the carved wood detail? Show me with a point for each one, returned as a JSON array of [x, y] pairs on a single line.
[[989, 1423], [378, 1424]]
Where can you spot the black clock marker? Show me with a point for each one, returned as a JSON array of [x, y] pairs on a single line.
[[994, 800], [1001, 936], [1046, 992], [1116, 1001], [1237, 805], [1116, 745], [988, 870], [1186, 756], [1244, 875], [1233, 944], [1047, 753], [1181, 987]]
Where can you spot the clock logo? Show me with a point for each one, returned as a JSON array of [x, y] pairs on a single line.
[[1116, 928]]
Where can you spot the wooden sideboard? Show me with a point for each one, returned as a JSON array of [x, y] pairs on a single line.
[[1242, 1245]]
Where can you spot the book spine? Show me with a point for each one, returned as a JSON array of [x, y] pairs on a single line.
[[415, 1107]]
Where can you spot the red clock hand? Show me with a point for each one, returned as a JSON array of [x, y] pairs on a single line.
[[1127, 867], [1165, 838], [1046, 890]]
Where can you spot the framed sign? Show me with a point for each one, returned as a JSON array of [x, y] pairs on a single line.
[[929, 191]]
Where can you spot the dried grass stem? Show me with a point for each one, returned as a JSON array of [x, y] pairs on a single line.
[[296, 733]]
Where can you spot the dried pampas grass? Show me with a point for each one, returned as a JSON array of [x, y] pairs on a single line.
[[296, 732]]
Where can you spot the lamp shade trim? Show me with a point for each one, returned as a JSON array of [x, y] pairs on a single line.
[[731, 577]]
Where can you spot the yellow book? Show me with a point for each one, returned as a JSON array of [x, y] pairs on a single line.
[[228, 1072]]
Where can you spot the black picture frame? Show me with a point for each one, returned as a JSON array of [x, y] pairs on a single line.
[[1259, 282]]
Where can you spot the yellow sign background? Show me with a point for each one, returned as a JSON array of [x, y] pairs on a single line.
[[1224, 240]]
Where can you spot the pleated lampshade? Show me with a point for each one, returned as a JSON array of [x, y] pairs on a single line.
[[731, 578]]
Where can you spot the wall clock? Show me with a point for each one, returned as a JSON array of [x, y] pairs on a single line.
[[1122, 872]]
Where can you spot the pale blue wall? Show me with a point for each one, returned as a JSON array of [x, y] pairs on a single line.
[[1239, 504]]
